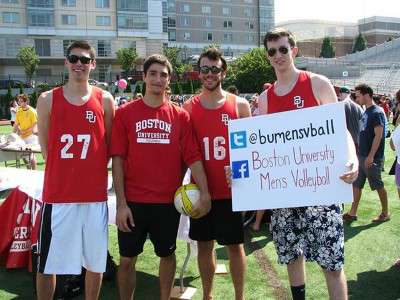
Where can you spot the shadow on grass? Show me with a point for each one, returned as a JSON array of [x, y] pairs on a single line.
[[18, 282], [376, 285], [352, 231]]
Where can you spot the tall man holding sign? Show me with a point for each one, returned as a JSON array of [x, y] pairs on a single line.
[[210, 112], [298, 232]]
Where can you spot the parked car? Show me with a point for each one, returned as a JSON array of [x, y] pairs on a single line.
[[5, 83], [103, 85]]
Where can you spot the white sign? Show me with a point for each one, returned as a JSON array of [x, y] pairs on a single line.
[[289, 159], [345, 73]]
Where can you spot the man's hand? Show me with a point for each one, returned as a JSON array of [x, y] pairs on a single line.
[[352, 174], [202, 207], [228, 175], [368, 162], [124, 218]]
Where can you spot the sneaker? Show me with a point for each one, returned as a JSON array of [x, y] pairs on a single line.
[[349, 218], [381, 218]]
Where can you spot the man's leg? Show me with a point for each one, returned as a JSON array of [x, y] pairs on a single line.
[[337, 285], [92, 285], [45, 286], [206, 261], [33, 163], [167, 275], [237, 266], [357, 192], [126, 277], [384, 201], [297, 278]]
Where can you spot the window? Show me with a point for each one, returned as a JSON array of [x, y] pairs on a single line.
[[68, 19], [186, 36], [40, 18], [185, 21], [226, 11], [102, 3], [103, 71], [248, 12], [41, 3], [9, 1], [133, 21], [11, 17], [248, 1], [227, 24], [165, 24], [12, 46], [206, 9], [171, 22], [172, 35], [206, 22], [68, 3], [103, 48], [249, 25], [103, 20], [171, 6], [66, 44], [185, 8], [250, 38], [130, 44], [42, 47], [208, 36], [228, 37], [133, 5]]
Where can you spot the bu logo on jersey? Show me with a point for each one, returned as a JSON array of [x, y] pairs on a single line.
[[298, 102], [90, 116], [225, 119]]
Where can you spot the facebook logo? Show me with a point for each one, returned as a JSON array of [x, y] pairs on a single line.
[[238, 140], [240, 169]]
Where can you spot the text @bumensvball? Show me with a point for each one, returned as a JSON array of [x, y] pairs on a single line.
[[297, 162]]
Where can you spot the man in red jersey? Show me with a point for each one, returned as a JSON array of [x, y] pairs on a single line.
[[210, 112], [152, 143], [311, 233], [74, 123]]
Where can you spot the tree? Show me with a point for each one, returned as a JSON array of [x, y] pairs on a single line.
[[250, 71], [327, 49], [28, 58], [359, 44], [173, 55], [126, 58]]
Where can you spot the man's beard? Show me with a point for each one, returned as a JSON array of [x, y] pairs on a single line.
[[213, 88]]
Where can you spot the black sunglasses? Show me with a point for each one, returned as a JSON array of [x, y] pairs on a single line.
[[73, 59], [282, 49], [213, 69]]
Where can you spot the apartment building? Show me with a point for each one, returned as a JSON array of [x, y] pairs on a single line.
[[235, 25], [51, 25], [379, 29]]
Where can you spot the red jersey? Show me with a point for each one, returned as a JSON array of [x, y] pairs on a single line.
[[211, 128], [155, 144], [76, 166], [301, 96]]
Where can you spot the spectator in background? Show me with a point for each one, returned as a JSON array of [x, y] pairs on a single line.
[[233, 90], [384, 103], [26, 126], [353, 113], [13, 111], [370, 154]]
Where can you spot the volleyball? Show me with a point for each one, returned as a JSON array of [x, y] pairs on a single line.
[[186, 197]]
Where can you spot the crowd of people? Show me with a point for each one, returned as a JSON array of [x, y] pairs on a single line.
[[152, 141]]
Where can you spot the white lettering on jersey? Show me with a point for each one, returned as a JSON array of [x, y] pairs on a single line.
[[69, 140], [225, 119], [298, 102], [144, 137], [90, 116]]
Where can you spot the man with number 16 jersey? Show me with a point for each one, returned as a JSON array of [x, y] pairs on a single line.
[[74, 123], [211, 111]]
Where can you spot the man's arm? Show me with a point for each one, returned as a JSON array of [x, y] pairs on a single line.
[[204, 205], [109, 112], [263, 103], [243, 108], [43, 108], [378, 130]]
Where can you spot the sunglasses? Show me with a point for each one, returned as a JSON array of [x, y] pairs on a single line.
[[213, 69], [73, 59], [282, 49]]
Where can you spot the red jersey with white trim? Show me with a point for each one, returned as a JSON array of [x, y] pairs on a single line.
[[156, 144], [211, 128], [301, 96], [76, 166]]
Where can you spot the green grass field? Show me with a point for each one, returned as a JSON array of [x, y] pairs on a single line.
[[370, 251]]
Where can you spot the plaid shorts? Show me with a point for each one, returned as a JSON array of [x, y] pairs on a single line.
[[315, 232]]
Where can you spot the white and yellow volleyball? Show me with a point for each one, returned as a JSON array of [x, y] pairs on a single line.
[[186, 197]]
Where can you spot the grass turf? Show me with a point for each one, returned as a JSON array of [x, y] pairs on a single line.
[[370, 252]]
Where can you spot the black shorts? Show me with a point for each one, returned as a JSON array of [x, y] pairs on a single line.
[[220, 224], [159, 221]]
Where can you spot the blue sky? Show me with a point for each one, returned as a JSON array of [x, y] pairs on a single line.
[[336, 10]]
